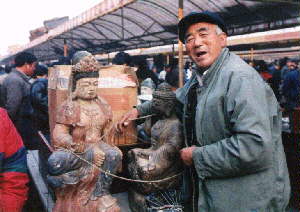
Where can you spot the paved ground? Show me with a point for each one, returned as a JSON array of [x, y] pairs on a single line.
[[35, 202], [40, 198]]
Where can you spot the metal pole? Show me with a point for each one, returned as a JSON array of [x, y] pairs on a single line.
[[122, 22], [168, 59], [251, 55], [65, 48], [173, 50], [180, 46]]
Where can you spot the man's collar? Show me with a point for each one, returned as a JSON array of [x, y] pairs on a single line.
[[20, 70], [204, 74], [22, 74]]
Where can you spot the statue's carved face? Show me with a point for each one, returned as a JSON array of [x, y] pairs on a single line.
[[161, 106], [86, 88]]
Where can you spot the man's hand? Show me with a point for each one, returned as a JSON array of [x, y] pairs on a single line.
[[186, 155], [126, 119]]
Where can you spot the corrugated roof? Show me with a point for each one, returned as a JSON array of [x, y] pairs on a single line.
[[115, 25]]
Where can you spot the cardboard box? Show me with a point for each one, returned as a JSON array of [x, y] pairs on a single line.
[[58, 81], [117, 85]]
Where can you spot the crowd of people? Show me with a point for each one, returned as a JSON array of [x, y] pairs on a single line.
[[23, 95], [231, 119], [282, 74], [283, 77]]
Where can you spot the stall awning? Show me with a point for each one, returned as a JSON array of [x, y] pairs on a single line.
[[115, 25]]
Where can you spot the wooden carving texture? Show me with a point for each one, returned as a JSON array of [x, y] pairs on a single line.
[[159, 161], [86, 130], [162, 159]]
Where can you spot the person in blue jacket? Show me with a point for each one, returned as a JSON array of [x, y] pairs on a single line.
[[291, 86], [39, 99]]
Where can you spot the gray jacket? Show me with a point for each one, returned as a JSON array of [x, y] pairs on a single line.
[[239, 158], [15, 94]]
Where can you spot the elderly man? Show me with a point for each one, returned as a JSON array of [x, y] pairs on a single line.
[[231, 125]]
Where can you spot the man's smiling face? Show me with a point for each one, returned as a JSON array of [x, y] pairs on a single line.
[[204, 43]]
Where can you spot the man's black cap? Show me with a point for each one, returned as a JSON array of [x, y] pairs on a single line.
[[196, 17], [293, 60], [40, 70]]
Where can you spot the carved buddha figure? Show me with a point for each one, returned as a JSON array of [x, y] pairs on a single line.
[[83, 134], [162, 159]]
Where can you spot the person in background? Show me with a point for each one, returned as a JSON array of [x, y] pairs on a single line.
[[3, 75], [154, 70], [7, 70], [172, 74], [39, 100], [187, 71], [275, 81], [162, 74], [158, 62], [147, 88], [262, 68], [122, 58], [286, 63], [291, 85], [13, 167], [143, 72], [232, 126], [15, 93], [272, 67], [40, 116], [291, 90]]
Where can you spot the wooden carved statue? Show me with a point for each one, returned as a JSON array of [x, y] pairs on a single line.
[[83, 135], [162, 159]]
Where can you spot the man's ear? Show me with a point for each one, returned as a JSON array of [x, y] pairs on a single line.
[[223, 38]]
